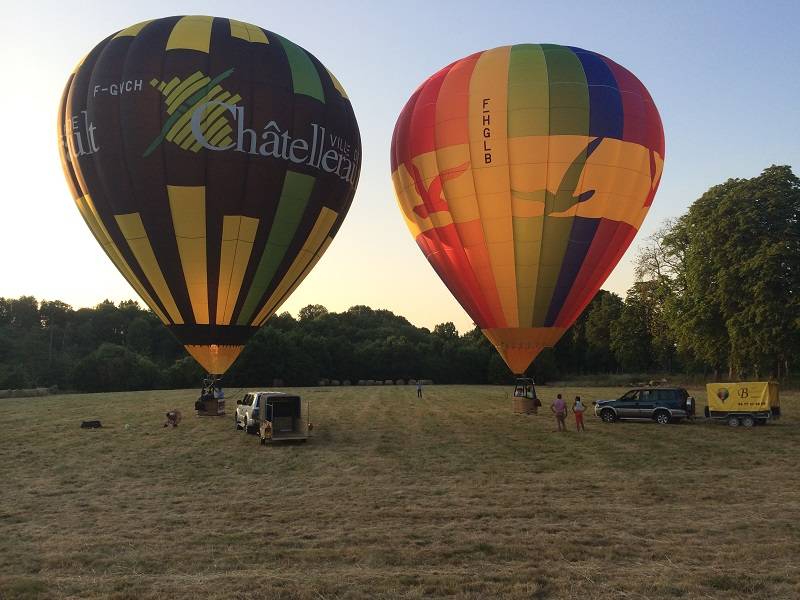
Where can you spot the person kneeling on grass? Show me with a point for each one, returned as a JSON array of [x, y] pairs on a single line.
[[559, 408], [173, 418], [578, 408]]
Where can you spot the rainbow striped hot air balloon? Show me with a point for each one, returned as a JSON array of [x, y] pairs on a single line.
[[523, 173]]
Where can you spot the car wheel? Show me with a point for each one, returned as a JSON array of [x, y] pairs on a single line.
[[733, 421], [748, 421], [608, 415], [662, 417]]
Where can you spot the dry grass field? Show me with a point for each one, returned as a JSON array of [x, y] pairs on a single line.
[[394, 497]]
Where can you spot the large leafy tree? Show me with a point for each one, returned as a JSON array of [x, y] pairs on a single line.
[[728, 272], [605, 309]]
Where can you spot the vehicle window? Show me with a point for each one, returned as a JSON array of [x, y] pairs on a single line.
[[630, 396], [647, 396], [666, 396]]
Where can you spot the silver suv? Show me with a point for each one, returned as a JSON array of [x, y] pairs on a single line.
[[276, 416]]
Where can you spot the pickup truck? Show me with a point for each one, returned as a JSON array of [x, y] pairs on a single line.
[[274, 415]]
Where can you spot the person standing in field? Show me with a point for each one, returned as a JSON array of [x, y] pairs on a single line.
[[559, 408], [419, 388], [578, 408]]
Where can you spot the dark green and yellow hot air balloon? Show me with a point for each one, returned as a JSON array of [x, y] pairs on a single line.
[[523, 173], [214, 161]]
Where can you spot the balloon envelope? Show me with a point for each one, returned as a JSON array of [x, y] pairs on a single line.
[[214, 161], [523, 173]]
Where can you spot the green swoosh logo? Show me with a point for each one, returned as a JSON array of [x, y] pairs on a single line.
[[188, 104]]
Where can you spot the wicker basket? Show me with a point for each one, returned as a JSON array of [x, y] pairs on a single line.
[[524, 406]]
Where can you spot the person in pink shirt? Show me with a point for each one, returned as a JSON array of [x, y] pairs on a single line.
[[559, 408]]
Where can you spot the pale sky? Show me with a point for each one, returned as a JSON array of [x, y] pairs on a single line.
[[723, 75]]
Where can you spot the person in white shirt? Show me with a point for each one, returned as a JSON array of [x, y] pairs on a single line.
[[578, 408]]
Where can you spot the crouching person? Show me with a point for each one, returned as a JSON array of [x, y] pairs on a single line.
[[173, 418]]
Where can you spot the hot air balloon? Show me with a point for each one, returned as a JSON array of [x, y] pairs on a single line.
[[214, 162], [523, 173]]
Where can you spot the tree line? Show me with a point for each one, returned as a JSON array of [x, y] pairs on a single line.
[[717, 293]]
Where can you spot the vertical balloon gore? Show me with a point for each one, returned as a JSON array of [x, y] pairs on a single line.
[[214, 161], [523, 173]]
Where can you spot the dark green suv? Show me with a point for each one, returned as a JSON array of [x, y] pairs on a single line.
[[662, 405]]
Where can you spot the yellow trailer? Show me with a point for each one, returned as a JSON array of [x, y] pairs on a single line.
[[743, 403]]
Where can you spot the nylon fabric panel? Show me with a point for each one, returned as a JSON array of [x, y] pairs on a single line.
[[86, 207], [191, 33], [238, 235], [423, 197], [276, 303], [188, 58], [580, 239], [305, 78], [610, 242], [488, 120], [418, 137], [133, 30], [138, 241], [263, 79], [569, 94], [458, 189], [442, 263], [311, 247], [294, 198], [248, 32], [336, 193], [616, 182], [528, 92], [337, 85], [329, 193], [528, 115], [400, 148], [209, 119], [139, 123], [569, 127], [642, 121], [617, 175], [64, 131], [93, 176], [605, 103], [188, 207]]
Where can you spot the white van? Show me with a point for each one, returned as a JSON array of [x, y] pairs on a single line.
[[275, 415]]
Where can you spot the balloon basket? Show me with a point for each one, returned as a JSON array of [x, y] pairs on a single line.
[[524, 406], [212, 408]]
